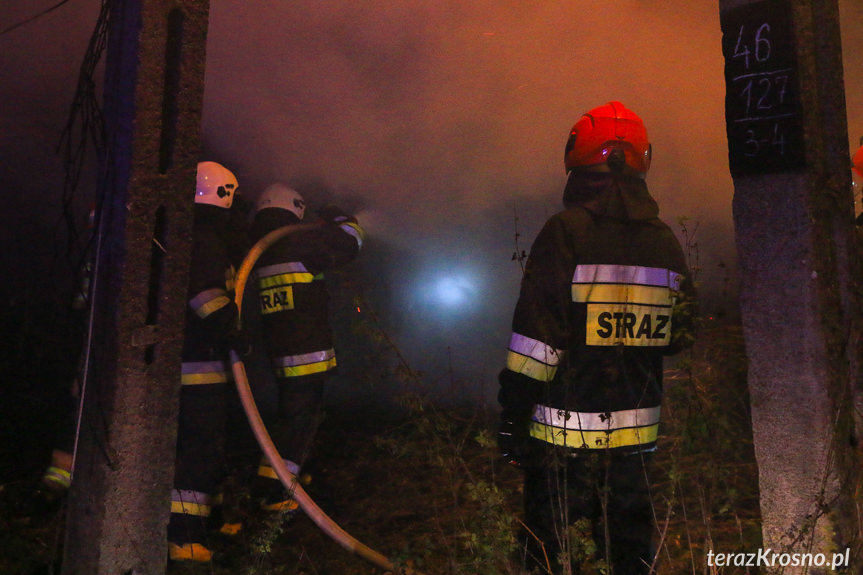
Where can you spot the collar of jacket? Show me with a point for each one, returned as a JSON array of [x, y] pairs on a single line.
[[616, 196], [270, 219], [210, 215]]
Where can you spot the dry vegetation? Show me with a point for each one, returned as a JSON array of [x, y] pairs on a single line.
[[426, 488]]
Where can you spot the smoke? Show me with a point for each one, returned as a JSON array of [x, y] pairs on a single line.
[[442, 99], [446, 122], [441, 124]]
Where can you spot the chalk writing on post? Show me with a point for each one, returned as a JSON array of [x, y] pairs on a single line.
[[762, 97]]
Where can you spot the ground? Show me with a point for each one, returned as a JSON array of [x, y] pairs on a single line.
[[422, 485]]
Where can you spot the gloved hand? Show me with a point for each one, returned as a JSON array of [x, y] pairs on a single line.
[[333, 215], [514, 442], [237, 340]]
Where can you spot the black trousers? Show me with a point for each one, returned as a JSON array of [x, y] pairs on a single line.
[[300, 402], [293, 428], [607, 495], [200, 459]]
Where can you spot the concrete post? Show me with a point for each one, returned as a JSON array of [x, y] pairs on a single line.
[[119, 504], [793, 214]]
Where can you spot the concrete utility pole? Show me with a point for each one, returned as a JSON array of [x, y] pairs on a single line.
[[794, 220], [154, 79]]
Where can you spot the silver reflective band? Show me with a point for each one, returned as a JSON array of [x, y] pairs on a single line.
[[305, 358], [189, 502], [636, 275], [209, 301], [350, 229], [582, 421], [532, 358], [189, 496], [534, 349], [203, 366], [283, 268]]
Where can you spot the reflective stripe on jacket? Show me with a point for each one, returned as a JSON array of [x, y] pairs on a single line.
[[596, 314], [626, 305], [627, 428], [205, 372], [276, 285], [188, 502], [292, 292], [304, 363]]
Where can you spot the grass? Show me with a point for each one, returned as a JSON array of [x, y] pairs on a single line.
[[423, 485]]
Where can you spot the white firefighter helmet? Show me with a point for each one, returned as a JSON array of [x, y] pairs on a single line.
[[282, 197], [216, 185]]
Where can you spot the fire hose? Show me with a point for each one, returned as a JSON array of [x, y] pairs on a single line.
[[288, 479]]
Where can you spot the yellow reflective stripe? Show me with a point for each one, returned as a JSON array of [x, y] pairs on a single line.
[[530, 367], [189, 552], [212, 305], [190, 502], [286, 505], [595, 439], [305, 363], [307, 369], [283, 274], [532, 357], [203, 378], [57, 475], [270, 473], [188, 508], [617, 293], [600, 421], [208, 301], [267, 471], [204, 372], [626, 305], [285, 279], [583, 430]]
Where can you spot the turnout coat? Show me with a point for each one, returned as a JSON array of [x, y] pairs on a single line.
[[292, 292], [606, 293]]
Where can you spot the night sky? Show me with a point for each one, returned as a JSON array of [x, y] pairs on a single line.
[[440, 123]]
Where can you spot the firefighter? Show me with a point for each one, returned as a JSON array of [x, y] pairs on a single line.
[[295, 324], [57, 478], [211, 329], [605, 295]]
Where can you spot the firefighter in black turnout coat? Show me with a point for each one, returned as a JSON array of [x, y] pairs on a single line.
[[606, 294], [211, 319], [294, 322]]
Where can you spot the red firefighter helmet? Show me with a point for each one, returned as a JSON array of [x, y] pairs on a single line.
[[611, 136], [857, 160]]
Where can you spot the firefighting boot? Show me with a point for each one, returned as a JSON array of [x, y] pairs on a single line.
[[187, 527], [58, 476], [226, 518], [274, 496]]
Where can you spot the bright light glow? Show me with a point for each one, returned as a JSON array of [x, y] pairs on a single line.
[[454, 291]]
